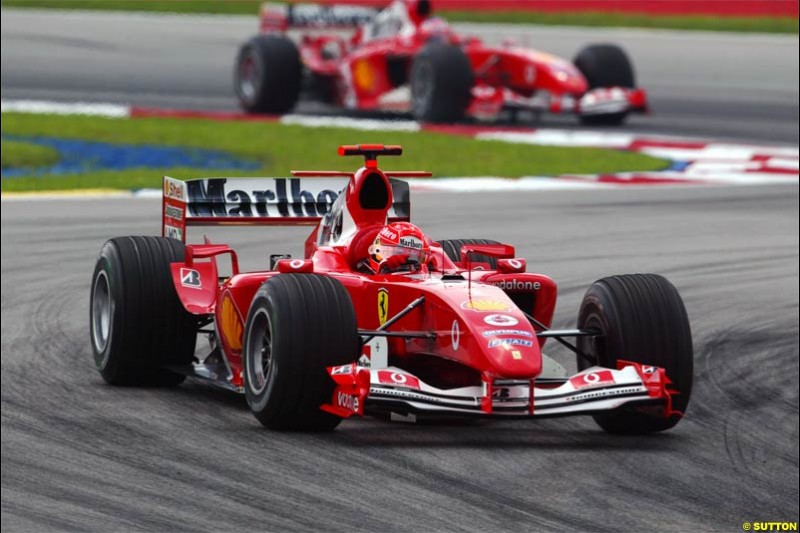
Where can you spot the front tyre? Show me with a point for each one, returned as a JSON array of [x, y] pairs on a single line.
[[137, 324], [605, 65], [268, 74], [298, 325], [642, 319], [441, 83]]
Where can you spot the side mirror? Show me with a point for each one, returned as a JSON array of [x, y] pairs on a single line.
[[498, 251]]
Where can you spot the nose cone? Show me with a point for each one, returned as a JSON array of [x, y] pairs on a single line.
[[577, 83], [512, 352], [480, 327], [568, 77], [554, 72], [505, 342]]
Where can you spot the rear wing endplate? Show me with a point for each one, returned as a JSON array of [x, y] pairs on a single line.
[[260, 201]]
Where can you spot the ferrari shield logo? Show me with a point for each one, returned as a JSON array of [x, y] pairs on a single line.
[[383, 305]]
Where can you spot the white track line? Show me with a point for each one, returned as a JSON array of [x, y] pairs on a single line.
[[553, 137], [363, 124], [63, 108]]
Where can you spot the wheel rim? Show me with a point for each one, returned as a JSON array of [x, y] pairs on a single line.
[[248, 75], [102, 310], [259, 352], [422, 88]]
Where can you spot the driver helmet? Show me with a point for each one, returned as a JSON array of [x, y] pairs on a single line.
[[398, 246], [435, 27], [418, 10]]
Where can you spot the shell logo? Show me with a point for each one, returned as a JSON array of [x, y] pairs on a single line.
[[230, 323], [364, 75], [485, 305], [174, 189]]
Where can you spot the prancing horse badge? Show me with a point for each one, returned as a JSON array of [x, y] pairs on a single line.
[[383, 305]]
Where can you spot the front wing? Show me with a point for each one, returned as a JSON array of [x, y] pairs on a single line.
[[488, 101], [361, 390]]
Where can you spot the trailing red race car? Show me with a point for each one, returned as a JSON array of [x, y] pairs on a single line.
[[404, 59], [376, 319]]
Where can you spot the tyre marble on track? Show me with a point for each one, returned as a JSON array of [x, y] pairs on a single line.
[[78, 454]]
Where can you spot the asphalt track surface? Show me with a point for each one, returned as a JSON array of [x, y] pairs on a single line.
[[81, 455], [717, 85]]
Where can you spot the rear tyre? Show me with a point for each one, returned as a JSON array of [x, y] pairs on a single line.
[[605, 65], [452, 247], [642, 319], [441, 83], [298, 325], [268, 74], [137, 324]]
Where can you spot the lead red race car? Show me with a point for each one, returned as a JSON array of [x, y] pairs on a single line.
[[405, 59], [376, 318]]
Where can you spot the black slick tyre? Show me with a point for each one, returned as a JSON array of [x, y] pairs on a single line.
[[641, 318], [298, 325], [605, 65], [137, 324], [441, 83], [268, 74]]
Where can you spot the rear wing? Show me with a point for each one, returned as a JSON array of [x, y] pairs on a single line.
[[260, 201], [281, 17]]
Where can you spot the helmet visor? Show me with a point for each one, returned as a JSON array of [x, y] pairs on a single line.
[[381, 252]]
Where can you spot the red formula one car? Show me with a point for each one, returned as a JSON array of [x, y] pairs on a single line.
[[376, 319], [403, 59]]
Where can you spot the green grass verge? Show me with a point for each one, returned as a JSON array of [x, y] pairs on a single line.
[[250, 7], [26, 155], [597, 19], [282, 148], [219, 7]]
